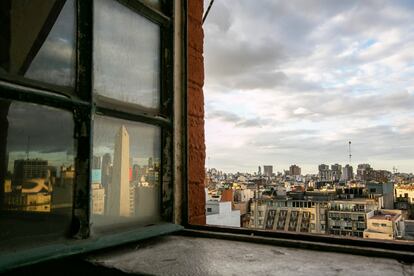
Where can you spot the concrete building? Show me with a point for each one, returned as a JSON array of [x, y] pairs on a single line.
[[221, 212], [268, 171], [363, 171], [349, 217], [285, 214], [295, 170], [106, 166], [386, 190], [405, 191], [336, 172], [33, 195], [29, 169], [347, 173], [98, 199], [404, 199], [385, 225], [119, 190], [97, 191], [67, 176], [324, 172]]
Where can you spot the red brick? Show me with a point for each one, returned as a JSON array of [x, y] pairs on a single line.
[[195, 9], [199, 220], [195, 34], [195, 67], [196, 140], [196, 102]]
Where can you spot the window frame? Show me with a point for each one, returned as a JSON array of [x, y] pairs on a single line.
[[80, 101]]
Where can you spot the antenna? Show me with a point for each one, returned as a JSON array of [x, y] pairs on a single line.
[[349, 150], [28, 147]]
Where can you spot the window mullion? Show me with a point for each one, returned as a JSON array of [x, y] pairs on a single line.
[[83, 130]]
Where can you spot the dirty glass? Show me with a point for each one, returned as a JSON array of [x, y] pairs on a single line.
[[36, 173], [125, 172], [126, 59], [153, 3], [37, 40]]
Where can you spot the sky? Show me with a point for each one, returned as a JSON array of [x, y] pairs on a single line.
[[292, 82], [43, 132]]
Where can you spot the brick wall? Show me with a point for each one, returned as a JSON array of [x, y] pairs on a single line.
[[197, 148]]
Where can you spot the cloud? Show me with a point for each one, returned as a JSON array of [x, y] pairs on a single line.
[[41, 130], [294, 81]]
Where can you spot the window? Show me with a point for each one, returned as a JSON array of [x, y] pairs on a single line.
[[261, 110], [86, 124]]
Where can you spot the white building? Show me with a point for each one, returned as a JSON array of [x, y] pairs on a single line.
[[221, 213]]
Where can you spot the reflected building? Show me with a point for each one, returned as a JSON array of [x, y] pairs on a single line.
[[67, 175], [106, 167], [118, 202], [33, 195], [28, 169]]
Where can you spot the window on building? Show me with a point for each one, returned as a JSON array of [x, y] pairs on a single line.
[[86, 124]]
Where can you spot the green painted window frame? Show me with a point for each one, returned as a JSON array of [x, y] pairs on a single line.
[[83, 107]]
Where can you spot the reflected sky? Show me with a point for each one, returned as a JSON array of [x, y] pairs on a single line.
[[126, 55], [46, 132], [55, 61]]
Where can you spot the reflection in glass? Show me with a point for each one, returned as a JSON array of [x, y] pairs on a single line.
[[153, 3], [38, 40], [126, 55], [125, 172], [36, 171]]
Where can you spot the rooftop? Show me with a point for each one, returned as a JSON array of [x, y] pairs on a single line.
[[391, 217]]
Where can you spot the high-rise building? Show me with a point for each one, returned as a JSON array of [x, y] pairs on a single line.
[[363, 171], [324, 172], [336, 172], [259, 170], [106, 165], [97, 191], [96, 162], [294, 170], [268, 171], [98, 199], [347, 173], [119, 190], [28, 169]]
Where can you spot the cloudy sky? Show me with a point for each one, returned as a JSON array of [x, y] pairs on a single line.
[[291, 82]]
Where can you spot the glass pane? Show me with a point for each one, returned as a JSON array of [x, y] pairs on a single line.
[[125, 172], [153, 3], [36, 173], [38, 40], [126, 55]]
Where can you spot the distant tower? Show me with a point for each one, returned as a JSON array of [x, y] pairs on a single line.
[[106, 170], [259, 171], [349, 150], [118, 190]]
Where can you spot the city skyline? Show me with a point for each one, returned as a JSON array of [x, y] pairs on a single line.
[[259, 169], [293, 82]]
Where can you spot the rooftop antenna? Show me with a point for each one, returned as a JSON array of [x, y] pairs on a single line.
[[28, 147], [208, 10], [349, 150]]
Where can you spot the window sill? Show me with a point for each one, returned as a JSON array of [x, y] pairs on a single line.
[[399, 250], [10, 260]]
